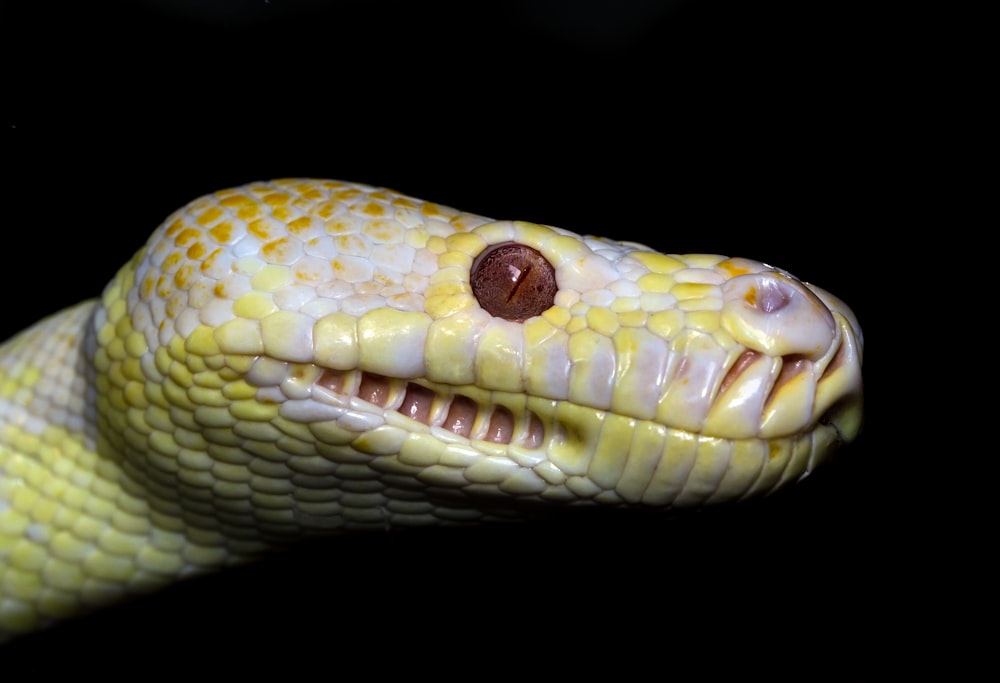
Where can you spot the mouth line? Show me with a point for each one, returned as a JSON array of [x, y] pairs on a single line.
[[454, 412]]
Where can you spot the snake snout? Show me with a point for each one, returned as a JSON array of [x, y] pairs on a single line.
[[773, 313]]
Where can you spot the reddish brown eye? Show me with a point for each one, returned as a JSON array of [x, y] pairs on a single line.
[[513, 282]]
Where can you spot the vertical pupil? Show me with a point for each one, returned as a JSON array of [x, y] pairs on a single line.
[[513, 281]]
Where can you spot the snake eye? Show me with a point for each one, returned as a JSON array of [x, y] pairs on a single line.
[[513, 282]]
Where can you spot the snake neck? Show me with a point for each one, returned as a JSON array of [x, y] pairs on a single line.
[[76, 530]]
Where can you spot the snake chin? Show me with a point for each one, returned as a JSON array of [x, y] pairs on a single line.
[[844, 419]]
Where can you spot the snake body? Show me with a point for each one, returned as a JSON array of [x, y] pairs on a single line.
[[299, 357]]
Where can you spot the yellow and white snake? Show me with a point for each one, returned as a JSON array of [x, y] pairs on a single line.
[[300, 357]]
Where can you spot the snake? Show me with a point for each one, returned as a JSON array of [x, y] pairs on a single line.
[[303, 357]]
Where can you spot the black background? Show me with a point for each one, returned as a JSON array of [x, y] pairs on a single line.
[[751, 129]]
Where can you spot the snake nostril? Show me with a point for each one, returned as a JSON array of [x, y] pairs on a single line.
[[773, 313], [513, 281], [770, 296]]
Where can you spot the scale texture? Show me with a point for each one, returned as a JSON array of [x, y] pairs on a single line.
[[302, 357]]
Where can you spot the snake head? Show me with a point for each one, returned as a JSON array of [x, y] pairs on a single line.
[[301, 355]]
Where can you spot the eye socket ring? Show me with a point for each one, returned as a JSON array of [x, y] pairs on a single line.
[[513, 281]]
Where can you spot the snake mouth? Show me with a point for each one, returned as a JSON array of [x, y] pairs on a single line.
[[454, 412]]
